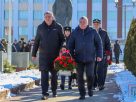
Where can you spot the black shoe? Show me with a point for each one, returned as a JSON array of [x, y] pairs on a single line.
[[54, 94], [70, 88], [90, 93], [81, 97], [101, 88], [44, 97], [62, 87]]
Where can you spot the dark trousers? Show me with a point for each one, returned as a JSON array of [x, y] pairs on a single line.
[[63, 80], [89, 70], [100, 73], [117, 58], [45, 81]]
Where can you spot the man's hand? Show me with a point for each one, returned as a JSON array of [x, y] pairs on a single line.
[[34, 58], [99, 59]]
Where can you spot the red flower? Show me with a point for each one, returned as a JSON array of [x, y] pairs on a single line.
[[63, 57], [70, 61], [57, 59], [64, 62], [60, 62], [74, 63], [65, 65], [67, 51]]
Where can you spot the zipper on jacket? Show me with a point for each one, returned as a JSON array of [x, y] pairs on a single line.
[[83, 32], [84, 46]]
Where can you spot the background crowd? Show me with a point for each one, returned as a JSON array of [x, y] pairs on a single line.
[[17, 46]]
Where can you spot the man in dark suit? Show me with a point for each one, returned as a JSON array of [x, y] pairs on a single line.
[[48, 40]]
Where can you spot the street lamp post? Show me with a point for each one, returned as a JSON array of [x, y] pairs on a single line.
[[125, 9]]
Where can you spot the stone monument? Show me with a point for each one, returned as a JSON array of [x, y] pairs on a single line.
[[62, 10]]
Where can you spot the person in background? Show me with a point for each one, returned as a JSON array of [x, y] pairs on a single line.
[[26, 48], [15, 46], [117, 50], [22, 42], [3, 45]]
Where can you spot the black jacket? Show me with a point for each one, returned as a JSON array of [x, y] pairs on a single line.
[[85, 45], [65, 44], [117, 49], [49, 40], [15, 47], [105, 41]]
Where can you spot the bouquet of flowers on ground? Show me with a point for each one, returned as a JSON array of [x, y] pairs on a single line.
[[64, 62]]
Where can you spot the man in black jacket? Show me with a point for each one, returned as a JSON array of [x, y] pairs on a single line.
[[101, 67], [49, 39], [117, 51], [85, 45]]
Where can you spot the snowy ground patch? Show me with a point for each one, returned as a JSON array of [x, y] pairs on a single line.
[[8, 81], [125, 81]]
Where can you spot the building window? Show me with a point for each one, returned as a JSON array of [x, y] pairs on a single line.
[[23, 15], [6, 1], [23, 30], [37, 15], [97, 9], [51, 1], [22, 1], [35, 30], [6, 15], [81, 13], [112, 20], [37, 1], [82, 1]]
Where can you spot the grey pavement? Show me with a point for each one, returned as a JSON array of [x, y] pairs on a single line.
[[34, 95]]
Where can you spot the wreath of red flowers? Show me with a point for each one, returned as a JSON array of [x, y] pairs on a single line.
[[65, 62]]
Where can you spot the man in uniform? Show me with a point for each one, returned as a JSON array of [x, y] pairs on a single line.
[[101, 67]]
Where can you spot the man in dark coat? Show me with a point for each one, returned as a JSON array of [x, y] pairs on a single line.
[[117, 51], [22, 43], [101, 67], [3, 45], [49, 39], [85, 45], [15, 46]]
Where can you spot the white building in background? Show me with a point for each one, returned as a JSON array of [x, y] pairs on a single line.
[[28, 14]]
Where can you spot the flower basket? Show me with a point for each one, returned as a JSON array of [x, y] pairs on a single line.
[[64, 64], [64, 73]]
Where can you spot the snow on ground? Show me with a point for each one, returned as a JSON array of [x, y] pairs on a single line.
[[8, 81], [125, 80]]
